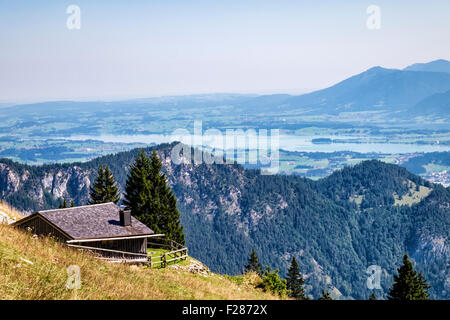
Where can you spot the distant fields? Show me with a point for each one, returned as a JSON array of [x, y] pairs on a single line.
[[66, 132]]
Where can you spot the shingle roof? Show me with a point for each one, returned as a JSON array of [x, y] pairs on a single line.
[[94, 221]]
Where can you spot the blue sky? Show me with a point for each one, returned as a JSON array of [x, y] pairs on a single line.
[[136, 48]]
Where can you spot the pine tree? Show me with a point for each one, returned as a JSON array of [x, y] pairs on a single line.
[[408, 284], [150, 199], [97, 192], [170, 217], [325, 296], [104, 189], [137, 191], [253, 264], [295, 282], [373, 296]]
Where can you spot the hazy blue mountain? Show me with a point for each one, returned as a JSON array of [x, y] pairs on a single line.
[[138, 106], [375, 89], [437, 105], [391, 91], [433, 66], [264, 102]]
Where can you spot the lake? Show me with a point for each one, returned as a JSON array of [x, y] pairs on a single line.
[[286, 142]]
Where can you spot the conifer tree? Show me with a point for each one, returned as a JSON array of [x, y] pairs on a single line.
[[253, 263], [72, 204], [150, 199], [104, 189], [137, 190], [408, 284], [295, 282], [373, 296], [325, 296]]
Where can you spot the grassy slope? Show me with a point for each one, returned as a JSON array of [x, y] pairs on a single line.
[[413, 197], [35, 268], [14, 214]]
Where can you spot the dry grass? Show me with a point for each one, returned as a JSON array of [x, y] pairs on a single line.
[[12, 212], [413, 197], [36, 268]]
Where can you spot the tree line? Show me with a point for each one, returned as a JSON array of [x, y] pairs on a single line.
[[408, 284]]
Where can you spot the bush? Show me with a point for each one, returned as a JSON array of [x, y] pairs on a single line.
[[272, 282]]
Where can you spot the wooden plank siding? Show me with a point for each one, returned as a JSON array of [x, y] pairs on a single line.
[[125, 245], [40, 226]]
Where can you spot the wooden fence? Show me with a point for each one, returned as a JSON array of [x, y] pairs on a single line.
[[177, 252], [113, 255]]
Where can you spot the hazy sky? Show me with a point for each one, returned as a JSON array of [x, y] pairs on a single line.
[[150, 48]]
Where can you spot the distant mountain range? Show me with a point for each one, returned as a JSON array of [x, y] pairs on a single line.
[[433, 66], [377, 89], [371, 213], [414, 92]]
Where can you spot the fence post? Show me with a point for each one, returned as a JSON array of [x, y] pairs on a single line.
[[149, 258]]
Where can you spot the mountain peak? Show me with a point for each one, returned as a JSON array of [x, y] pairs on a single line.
[[377, 69], [441, 60], [440, 65]]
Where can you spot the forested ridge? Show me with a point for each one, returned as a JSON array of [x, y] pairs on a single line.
[[335, 227]]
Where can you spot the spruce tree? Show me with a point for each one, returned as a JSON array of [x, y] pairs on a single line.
[[97, 192], [150, 199], [138, 191], [253, 264], [111, 189], [325, 296], [170, 217], [104, 189], [408, 284], [295, 282]]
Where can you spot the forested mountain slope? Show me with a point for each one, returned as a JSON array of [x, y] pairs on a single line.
[[336, 227]]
